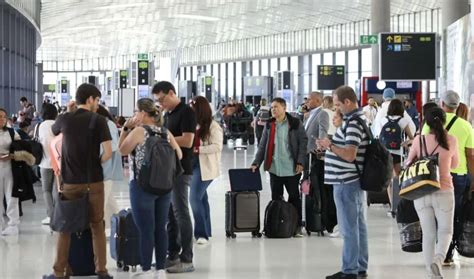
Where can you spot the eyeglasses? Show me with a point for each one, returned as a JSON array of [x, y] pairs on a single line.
[[162, 98]]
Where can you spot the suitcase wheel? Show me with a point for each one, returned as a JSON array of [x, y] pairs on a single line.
[[119, 265], [308, 232], [256, 234], [233, 235], [126, 268]]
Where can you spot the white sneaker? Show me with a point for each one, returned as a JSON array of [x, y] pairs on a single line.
[[149, 274], [202, 241], [10, 230], [46, 221], [160, 274]]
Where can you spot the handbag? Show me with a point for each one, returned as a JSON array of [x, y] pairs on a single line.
[[72, 216], [421, 177]]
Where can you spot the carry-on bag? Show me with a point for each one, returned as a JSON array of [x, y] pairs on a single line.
[[242, 213], [465, 243], [81, 254], [312, 204], [124, 240], [410, 228]]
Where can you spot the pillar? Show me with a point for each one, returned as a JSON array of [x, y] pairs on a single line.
[[380, 22]]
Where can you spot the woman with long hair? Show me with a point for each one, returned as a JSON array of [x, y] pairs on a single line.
[[395, 113], [45, 136], [7, 135], [463, 111], [206, 167], [150, 211], [436, 210], [112, 168]]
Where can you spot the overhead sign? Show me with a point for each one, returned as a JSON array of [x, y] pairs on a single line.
[[369, 39], [142, 72], [142, 56], [407, 56], [64, 86], [331, 76], [123, 78]]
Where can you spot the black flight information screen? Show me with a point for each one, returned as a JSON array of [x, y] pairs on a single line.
[[407, 56], [330, 77]]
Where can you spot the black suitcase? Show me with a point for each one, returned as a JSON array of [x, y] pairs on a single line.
[[312, 217], [377, 198], [125, 240], [465, 244], [81, 254], [242, 213], [411, 235]]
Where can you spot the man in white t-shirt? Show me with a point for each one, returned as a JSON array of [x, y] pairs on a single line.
[[388, 96], [370, 110]]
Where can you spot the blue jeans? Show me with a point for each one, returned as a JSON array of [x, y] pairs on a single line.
[[150, 213], [460, 183], [351, 209], [200, 204]]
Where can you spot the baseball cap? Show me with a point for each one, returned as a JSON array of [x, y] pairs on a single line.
[[388, 94], [451, 99]]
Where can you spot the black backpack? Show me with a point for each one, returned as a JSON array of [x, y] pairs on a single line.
[[36, 146], [161, 166], [411, 236], [281, 219], [378, 163], [391, 134]]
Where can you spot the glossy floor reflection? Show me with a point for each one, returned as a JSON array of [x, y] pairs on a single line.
[[31, 254]]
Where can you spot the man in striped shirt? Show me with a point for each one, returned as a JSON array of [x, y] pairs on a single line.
[[348, 145]]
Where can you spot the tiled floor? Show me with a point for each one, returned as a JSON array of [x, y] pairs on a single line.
[[31, 253]]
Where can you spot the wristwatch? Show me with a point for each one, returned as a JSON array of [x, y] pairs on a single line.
[[125, 129]]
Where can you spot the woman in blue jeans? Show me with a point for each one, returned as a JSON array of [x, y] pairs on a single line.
[[150, 211], [207, 149]]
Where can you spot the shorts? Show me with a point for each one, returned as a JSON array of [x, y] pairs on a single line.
[[397, 159]]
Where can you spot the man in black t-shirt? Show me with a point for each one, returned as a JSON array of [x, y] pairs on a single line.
[[83, 134], [181, 121]]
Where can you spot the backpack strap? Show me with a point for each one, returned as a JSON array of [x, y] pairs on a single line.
[[11, 131], [366, 130], [451, 123]]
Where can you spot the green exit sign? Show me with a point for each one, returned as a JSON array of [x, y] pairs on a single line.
[[369, 39], [143, 56]]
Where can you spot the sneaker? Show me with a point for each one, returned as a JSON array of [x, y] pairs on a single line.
[[181, 268], [46, 221], [10, 230], [362, 274], [448, 262], [170, 263], [202, 241], [341, 275], [436, 270], [160, 274], [104, 276], [299, 232], [149, 274]]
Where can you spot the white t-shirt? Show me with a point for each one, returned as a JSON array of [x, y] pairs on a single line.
[[382, 113], [5, 142], [45, 136], [332, 129], [403, 123]]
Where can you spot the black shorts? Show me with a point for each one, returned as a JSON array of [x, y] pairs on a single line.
[[397, 159]]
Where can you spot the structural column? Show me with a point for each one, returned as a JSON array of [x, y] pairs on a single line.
[[452, 10], [380, 22]]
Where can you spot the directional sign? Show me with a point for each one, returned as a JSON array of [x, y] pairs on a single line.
[[142, 72], [330, 77], [368, 39], [142, 56], [408, 56]]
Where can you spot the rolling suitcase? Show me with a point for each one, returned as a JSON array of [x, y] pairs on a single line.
[[312, 205], [81, 254], [124, 240], [242, 213], [242, 207]]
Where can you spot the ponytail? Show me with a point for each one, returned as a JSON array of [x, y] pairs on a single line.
[[436, 118]]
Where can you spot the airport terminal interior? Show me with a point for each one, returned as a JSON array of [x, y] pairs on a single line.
[[238, 55]]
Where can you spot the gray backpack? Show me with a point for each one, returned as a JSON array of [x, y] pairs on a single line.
[[161, 166]]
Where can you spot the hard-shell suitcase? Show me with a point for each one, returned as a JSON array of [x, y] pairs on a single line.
[[242, 213], [125, 240], [81, 254], [312, 204]]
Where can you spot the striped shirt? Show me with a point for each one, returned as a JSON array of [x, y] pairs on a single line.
[[336, 169]]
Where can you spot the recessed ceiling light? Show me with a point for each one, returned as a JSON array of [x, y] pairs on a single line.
[[196, 17]]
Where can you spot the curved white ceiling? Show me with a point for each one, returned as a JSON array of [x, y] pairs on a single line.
[[74, 29]]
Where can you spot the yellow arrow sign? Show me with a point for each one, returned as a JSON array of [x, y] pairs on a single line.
[[390, 39]]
